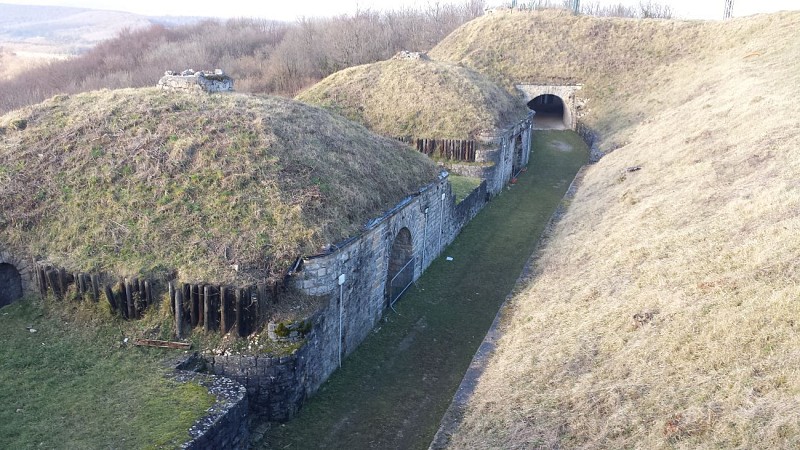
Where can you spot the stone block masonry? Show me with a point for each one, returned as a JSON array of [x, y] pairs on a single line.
[[355, 277], [226, 424], [277, 386], [191, 81]]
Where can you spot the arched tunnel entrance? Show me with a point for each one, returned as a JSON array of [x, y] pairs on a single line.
[[550, 112], [401, 266], [10, 284]]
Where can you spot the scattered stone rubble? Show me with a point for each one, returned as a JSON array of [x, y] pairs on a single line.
[[405, 54], [200, 81]]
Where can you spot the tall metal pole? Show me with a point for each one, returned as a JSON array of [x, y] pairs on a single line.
[[728, 9]]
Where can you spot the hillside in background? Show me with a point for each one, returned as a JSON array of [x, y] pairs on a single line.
[[417, 98], [262, 56], [224, 188], [662, 310]]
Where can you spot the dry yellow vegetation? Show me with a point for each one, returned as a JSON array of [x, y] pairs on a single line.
[[663, 310], [417, 98], [222, 188]]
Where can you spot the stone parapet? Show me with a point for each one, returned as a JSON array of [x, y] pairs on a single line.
[[191, 81]]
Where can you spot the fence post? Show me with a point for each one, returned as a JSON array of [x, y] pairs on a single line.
[[179, 313], [224, 310], [95, 287], [207, 308], [129, 299], [110, 297]]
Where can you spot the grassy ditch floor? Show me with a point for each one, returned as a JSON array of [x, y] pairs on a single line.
[[393, 390], [79, 386], [463, 186]]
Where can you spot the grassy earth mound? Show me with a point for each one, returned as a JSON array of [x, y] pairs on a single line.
[[223, 188], [663, 308], [417, 98]]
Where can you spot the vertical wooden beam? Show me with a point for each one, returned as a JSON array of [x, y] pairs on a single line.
[[78, 288], [110, 297], [122, 299], [53, 281], [225, 323], [194, 307], [148, 293], [207, 308], [171, 295], [95, 287], [179, 313], [239, 312], [201, 306], [62, 282], [129, 299]]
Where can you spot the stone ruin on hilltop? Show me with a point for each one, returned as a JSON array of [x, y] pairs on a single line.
[[405, 54], [201, 81]]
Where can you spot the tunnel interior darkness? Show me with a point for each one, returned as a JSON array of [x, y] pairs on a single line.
[[10, 284], [549, 108]]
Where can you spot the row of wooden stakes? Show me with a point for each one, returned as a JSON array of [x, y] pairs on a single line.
[[215, 308], [130, 297], [212, 307], [451, 149]]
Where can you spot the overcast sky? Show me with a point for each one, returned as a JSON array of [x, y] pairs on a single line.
[[290, 10]]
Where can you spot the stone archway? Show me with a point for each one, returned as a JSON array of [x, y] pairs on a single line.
[[400, 274], [10, 284], [549, 111], [551, 101]]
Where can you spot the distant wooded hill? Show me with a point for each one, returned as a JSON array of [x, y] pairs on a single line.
[[262, 56], [72, 30]]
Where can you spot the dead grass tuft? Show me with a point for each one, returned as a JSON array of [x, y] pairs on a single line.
[[706, 233], [223, 188]]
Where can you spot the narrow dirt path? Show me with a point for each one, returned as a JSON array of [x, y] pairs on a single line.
[[393, 391]]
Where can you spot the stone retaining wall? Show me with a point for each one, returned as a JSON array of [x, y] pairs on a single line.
[[353, 276], [227, 423], [191, 81]]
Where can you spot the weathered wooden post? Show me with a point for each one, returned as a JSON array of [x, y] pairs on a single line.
[[62, 282], [129, 299], [239, 312], [78, 291], [110, 297], [171, 295], [55, 285], [148, 294], [122, 301], [193, 313], [179, 313], [225, 310], [207, 308], [95, 287]]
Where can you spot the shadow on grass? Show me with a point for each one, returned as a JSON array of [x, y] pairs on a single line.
[[393, 390]]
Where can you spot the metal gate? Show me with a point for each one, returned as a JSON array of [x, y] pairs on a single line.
[[400, 283]]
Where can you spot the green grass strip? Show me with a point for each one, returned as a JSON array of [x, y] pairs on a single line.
[[393, 390], [70, 385]]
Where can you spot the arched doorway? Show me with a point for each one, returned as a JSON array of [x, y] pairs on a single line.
[[401, 266], [10, 284], [550, 112], [517, 163]]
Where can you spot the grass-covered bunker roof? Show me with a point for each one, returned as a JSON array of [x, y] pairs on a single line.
[[417, 98], [223, 188]]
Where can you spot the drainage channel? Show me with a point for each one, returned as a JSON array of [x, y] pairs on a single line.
[[393, 390]]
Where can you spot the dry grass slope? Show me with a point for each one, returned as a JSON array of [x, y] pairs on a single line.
[[142, 181], [419, 98], [663, 311]]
